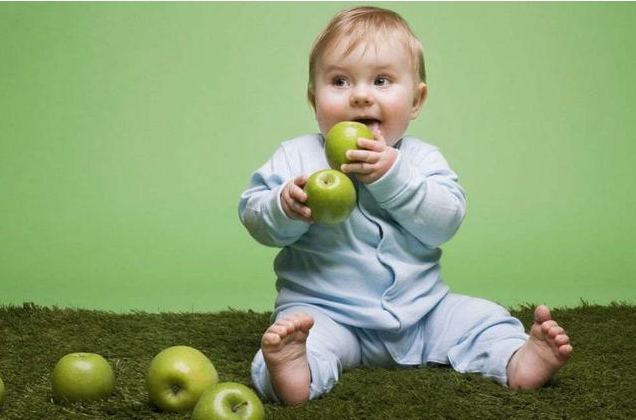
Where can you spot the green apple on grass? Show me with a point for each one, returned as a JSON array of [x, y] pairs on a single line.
[[342, 137], [177, 377], [331, 196], [228, 400], [82, 377]]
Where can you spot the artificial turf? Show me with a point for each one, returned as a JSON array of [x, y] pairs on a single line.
[[599, 381]]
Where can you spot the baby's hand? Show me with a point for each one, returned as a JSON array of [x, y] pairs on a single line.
[[292, 198], [372, 161]]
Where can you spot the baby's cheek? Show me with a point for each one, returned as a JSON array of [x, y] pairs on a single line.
[[330, 109], [396, 127]]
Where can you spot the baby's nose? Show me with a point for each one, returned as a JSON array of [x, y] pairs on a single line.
[[361, 98]]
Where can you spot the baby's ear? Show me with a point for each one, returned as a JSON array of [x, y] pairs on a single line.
[[312, 98], [419, 98]]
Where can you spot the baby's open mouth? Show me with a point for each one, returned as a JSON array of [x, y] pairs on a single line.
[[371, 123]]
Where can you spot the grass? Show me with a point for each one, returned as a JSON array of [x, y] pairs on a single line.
[[597, 383]]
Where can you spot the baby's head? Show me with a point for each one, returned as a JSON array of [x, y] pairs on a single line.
[[367, 65]]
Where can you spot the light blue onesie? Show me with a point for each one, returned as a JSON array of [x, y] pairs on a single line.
[[372, 283]]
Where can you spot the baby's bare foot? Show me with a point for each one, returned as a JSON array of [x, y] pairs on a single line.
[[285, 354], [545, 352]]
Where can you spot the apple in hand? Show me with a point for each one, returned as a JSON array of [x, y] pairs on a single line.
[[331, 196], [342, 137], [82, 377], [177, 377], [2, 395], [228, 400]]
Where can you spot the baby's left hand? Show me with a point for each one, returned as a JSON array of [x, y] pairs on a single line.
[[373, 160]]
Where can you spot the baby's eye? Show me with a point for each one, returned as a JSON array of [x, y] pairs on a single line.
[[382, 81], [340, 81]]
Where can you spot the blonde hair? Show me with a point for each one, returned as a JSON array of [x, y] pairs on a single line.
[[361, 23]]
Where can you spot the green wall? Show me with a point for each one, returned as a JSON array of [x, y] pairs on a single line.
[[128, 132]]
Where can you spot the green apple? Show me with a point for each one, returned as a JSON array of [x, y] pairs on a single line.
[[342, 137], [228, 400], [177, 377], [331, 196], [2, 395], [82, 377]]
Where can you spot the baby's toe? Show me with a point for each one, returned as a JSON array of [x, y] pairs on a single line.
[[288, 324], [306, 322], [299, 321], [566, 350], [541, 313], [280, 329], [545, 327], [562, 339], [270, 339], [554, 331]]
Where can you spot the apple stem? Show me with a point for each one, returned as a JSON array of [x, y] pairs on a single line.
[[238, 406]]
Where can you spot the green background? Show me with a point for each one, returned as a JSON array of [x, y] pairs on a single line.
[[128, 132]]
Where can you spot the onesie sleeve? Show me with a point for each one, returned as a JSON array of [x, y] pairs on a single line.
[[260, 209], [423, 196]]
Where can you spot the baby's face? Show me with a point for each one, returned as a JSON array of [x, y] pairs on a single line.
[[376, 86]]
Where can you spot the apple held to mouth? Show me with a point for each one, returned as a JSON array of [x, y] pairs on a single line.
[[331, 196], [177, 377], [82, 377], [342, 137], [229, 400]]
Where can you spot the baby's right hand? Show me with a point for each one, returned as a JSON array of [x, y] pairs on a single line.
[[292, 198]]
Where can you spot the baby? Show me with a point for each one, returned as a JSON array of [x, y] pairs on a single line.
[[369, 290]]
